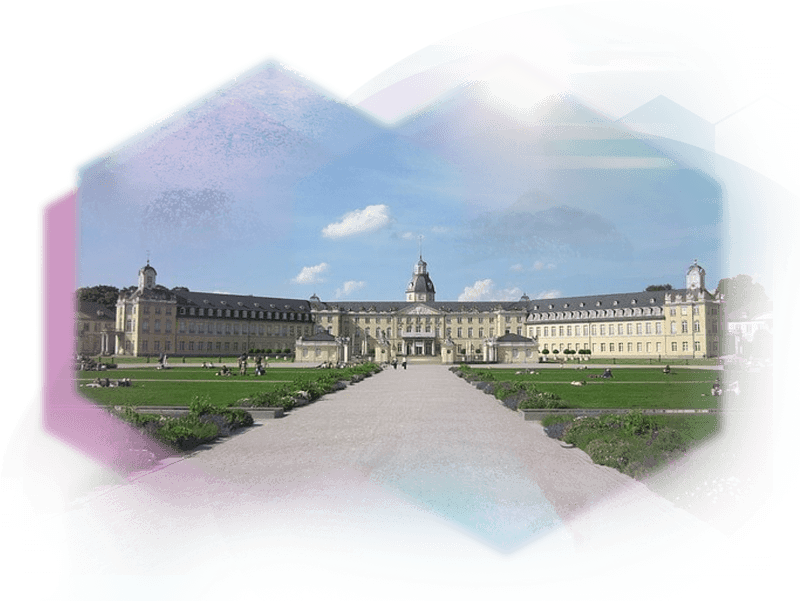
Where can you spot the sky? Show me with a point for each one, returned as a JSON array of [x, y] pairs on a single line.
[[538, 154]]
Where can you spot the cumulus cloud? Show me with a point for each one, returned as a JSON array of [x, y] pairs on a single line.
[[349, 287], [549, 294], [539, 265], [311, 275], [408, 236], [484, 290], [360, 221]]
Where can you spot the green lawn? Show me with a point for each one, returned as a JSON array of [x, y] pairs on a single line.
[[190, 373], [178, 394], [640, 388], [639, 374], [178, 387]]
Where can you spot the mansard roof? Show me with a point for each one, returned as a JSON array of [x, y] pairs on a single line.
[[216, 300], [93, 310], [321, 336], [511, 337]]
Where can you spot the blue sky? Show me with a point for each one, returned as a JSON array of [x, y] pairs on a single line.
[[516, 174]]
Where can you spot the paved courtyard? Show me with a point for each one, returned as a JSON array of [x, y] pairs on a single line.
[[412, 478]]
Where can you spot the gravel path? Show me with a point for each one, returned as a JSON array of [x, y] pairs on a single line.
[[416, 465]]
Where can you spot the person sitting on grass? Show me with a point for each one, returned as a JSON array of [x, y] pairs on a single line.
[[667, 369]]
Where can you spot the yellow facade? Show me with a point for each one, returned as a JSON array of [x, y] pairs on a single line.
[[667, 324]]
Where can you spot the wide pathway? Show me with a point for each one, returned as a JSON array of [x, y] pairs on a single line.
[[410, 474]]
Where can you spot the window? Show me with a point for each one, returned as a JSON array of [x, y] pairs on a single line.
[[649, 347], [658, 327], [168, 345], [673, 328], [552, 331], [684, 327], [683, 311], [639, 329], [560, 330], [619, 329], [585, 333], [519, 331], [672, 312], [602, 332], [697, 345], [638, 347], [569, 330], [674, 346], [594, 330], [630, 347], [459, 334], [145, 325], [469, 332], [696, 326], [480, 332], [685, 346], [611, 347], [648, 328]]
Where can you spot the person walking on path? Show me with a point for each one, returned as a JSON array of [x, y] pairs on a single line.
[[404, 363], [394, 363]]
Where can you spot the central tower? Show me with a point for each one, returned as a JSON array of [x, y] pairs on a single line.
[[420, 288]]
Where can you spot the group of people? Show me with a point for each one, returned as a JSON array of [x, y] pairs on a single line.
[[394, 363]]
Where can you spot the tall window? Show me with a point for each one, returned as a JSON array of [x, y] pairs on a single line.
[[684, 328]]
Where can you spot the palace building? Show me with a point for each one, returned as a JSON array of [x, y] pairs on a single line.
[[671, 324]]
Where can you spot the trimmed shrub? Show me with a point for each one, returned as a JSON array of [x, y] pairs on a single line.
[[187, 432]]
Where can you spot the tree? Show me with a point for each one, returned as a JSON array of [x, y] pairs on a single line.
[[761, 346], [657, 287], [104, 295], [742, 294]]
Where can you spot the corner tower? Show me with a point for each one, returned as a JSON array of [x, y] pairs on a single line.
[[420, 288]]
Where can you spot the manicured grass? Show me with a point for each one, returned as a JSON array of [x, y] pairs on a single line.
[[176, 394], [190, 373], [639, 388], [178, 360], [179, 387], [640, 374]]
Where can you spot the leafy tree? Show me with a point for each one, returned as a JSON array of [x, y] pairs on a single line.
[[741, 293], [105, 295], [761, 345], [657, 287]]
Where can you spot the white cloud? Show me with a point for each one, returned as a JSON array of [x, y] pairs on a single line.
[[408, 236], [549, 294], [359, 221], [484, 290], [539, 265], [311, 275], [516, 267], [438, 229], [349, 287]]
